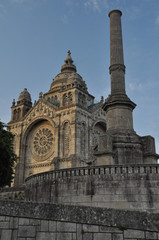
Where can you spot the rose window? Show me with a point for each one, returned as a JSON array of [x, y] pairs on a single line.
[[43, 141]]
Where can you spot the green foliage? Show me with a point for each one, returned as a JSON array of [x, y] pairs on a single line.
[[7, 156]]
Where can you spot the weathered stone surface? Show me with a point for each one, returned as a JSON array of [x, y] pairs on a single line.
[[90, 228], [151, 235], [4, 225], [117, 236], [48, 227], [52, 226], [14, 222], [102, 236], [66, 227], [26, 231], [44, 226], [87, 236], [24, 221], [66, 236], [15, 234], [86, 215], [134, 234], [6, 234], [79, 231], [46, 236], [110, 229]]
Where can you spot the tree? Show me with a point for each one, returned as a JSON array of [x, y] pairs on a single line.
[[7, 156]]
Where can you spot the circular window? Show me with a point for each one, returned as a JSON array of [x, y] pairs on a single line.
[[43, 140]]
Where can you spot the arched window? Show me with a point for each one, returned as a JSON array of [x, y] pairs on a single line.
[[14, 115], [83, 99], [83, 140], [64, 100], [66, 139], [52, 100], [99, 129], [79, 98], [69, 98], [18, 114]]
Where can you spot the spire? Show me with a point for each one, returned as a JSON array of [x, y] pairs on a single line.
[[68, 66], [68, 59]]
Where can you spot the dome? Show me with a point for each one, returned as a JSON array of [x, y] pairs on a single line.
[[68, 74], [24, 96]]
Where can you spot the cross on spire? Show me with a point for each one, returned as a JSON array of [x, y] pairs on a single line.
[[69, 52]]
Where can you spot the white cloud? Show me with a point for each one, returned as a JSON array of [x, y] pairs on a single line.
[[96, 5], [135, 87], [65, 19], [157, 20], [19, 1], [2, 9]]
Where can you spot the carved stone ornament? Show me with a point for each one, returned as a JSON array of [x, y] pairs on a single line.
[[43, 140], [41, 144]]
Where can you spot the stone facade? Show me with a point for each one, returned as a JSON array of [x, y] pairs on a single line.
[[60, 130]]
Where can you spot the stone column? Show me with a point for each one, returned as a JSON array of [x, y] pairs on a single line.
[[126, 144], [117, 67], [118, 106]]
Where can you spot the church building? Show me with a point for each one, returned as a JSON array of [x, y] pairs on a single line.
[[60, 129]]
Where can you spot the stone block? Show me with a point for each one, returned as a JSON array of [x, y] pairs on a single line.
[[2, 218], [79, 231], [14, 234], [44, 226], [64, 236], [151, 235], [45, 236], [90, 228], [7, 219], [14, 221], [66, 227], [109, 229], [6, 234], [74, 236], [26, 231], [102, 236], [134, 234], [117, 236], [88, 236], [23, 221], [34, 222], [29, 238], [52, 226], [4, 225]]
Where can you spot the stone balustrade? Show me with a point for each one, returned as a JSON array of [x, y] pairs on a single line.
[[93, 170]]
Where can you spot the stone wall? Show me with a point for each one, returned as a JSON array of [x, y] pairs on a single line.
[[133, 187], [12, 193], [38, 221]]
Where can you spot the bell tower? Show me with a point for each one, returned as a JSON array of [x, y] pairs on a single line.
[[23, 105]]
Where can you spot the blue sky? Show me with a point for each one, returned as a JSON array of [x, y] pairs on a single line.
[[36, 34]]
